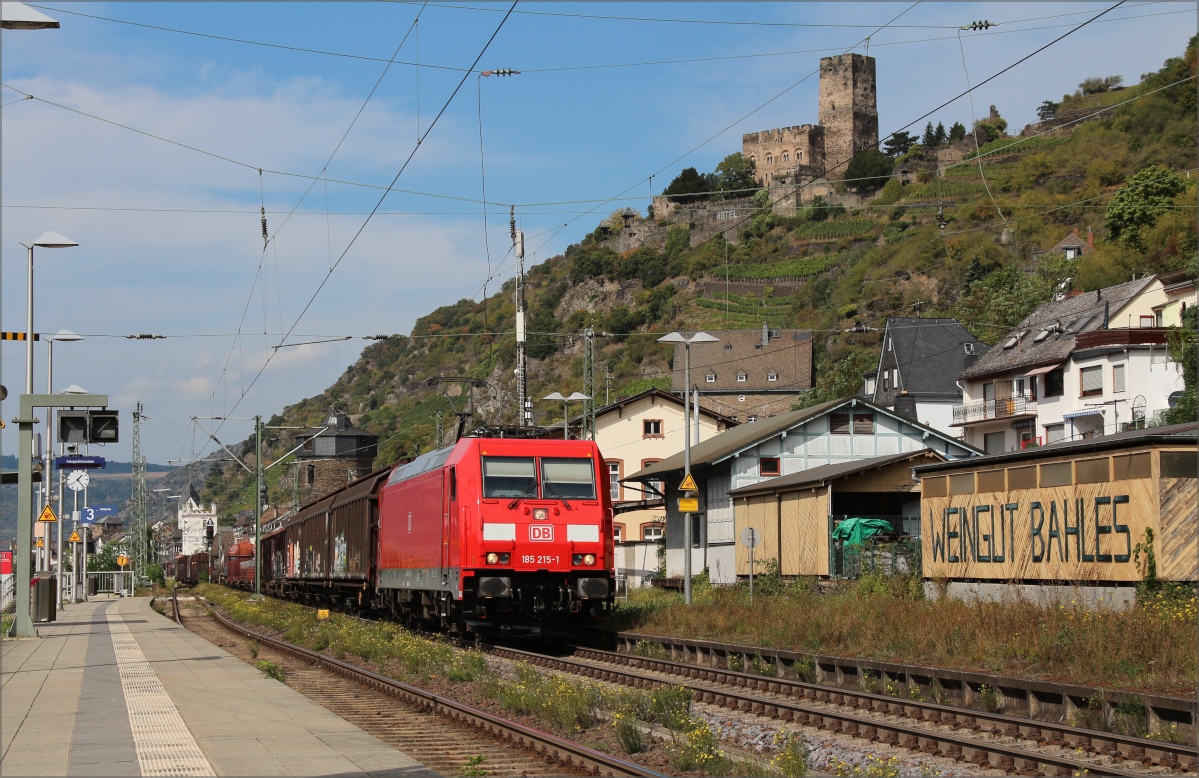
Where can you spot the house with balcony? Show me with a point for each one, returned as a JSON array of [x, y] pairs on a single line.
[[918, 368], [1082, 365]]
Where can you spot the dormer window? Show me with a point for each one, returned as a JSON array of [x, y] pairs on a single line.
[[968, 348], [710, 378], [741, 376], [772, 376], [728, 346]]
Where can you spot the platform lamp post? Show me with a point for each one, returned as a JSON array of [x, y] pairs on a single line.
[[678, 337], [574, 397], [65, 336]]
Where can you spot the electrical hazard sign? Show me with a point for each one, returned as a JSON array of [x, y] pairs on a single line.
[[75, 538], [688, 484], [40, 543], [47, 515]]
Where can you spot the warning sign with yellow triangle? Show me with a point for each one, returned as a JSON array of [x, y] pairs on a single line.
[[40, 543], [47, 515], [688, 484], [75, 538]]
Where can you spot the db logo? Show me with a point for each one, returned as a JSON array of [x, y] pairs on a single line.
[[541, 532]]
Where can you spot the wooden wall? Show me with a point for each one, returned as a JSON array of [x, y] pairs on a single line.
[[802, 518], [1068, 524]]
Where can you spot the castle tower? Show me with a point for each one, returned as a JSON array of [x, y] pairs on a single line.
[[332, 455], [848, 109]]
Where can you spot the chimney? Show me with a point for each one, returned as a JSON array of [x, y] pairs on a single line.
[[765, 335], [1090, 238], [905, 406]]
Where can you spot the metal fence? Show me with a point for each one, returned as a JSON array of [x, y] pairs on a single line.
[[8, 592], [894, 553], [1002, 408], [119, 582]]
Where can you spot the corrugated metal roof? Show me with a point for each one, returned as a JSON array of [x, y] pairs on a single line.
[[1178, 434], [825, 473]]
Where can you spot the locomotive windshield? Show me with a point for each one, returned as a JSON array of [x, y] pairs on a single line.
[[568, 479], [509, 477]]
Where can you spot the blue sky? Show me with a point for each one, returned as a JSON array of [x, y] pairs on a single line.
[[171, 240]]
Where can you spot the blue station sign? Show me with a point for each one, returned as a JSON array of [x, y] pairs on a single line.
[[79, 462], [94, 513]]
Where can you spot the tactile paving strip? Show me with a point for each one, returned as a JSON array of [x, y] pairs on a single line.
[[164, 744]]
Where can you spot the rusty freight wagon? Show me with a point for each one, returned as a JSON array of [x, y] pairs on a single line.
[[1070, 513]]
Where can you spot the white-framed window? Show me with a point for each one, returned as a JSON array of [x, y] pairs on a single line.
[[1148, 321], [652, 532], [651, 428], [651, 485], [741, 376], [1091, 380], [1118, 381], [710, 378], [772, 375], [752, 417], [617, 533], [615, 466]]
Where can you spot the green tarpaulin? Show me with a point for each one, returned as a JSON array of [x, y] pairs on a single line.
[[855, 531]]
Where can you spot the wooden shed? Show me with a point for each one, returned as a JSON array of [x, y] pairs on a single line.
[[796, 514], [1070, 512]]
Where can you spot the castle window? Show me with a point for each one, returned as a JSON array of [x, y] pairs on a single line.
[[798, 155], [310, 475], [786, 157], [769, 159]]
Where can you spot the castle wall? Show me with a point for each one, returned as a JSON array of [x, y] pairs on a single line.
[[848, 109], [781, 153]]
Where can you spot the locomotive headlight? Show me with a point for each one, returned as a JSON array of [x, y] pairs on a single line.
[[493, 558], [589, 559], [504, 558], [583, 559], [540, 514]]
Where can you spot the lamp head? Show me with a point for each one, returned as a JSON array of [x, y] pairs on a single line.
[[574, 396], [18, 16], [75, 389], [555, 396], [674, 337], [51, 240], [703, 337], [64, 336]]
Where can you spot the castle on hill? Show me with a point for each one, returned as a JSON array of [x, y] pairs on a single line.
[[848, 124]]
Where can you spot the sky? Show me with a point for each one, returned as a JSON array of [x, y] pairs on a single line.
[[611, 102]]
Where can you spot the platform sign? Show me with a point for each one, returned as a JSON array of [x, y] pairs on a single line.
[[79, 463], [47, 516], [91, 514], [688, 505], [688, 484], [5, 563]]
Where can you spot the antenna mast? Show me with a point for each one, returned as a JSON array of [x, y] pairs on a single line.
[[523, 404]]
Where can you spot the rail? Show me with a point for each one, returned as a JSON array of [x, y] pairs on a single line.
[[1002, 755], [985, 410], [552, 747]]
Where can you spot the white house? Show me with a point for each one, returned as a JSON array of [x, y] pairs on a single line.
[[193, 522], [829, 433], [1087, 364]]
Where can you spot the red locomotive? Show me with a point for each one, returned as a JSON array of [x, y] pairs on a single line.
[[237, 565], [490, 533]]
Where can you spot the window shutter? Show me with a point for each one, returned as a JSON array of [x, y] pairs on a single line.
[[1092, 379], [1118, 378]]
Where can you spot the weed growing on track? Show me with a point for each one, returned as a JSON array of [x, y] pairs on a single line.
[[1149, 647], [872, 767], [272, 670], [791, 758]]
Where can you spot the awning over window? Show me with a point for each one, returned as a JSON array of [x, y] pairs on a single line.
[[1042, 370], [1078, 414]]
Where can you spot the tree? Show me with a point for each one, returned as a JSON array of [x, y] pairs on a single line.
[[735, 174], [1182, 350], [687, 186], [1047, 110], [1092, 86], [940, 136], [1146, 195], [957, 131], [898, 144], [929, 139], [869, 170]]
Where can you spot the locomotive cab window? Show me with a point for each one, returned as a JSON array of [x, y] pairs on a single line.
[[509, 477], [568, 479]]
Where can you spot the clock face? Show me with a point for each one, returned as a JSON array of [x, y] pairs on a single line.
[[77, 480]]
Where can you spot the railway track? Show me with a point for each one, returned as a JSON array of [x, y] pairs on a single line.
[[447, 742], [1016, 745]]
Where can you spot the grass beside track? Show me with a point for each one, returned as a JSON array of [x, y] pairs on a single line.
[[613, 720], [1150, 647]]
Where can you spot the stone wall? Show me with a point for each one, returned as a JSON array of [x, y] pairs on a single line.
[[848, 108], [784, 152], [318, 477]]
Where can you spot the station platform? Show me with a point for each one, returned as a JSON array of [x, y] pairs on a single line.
[[114, 688]]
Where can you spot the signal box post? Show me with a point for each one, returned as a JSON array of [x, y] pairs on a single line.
[[22, 626]]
